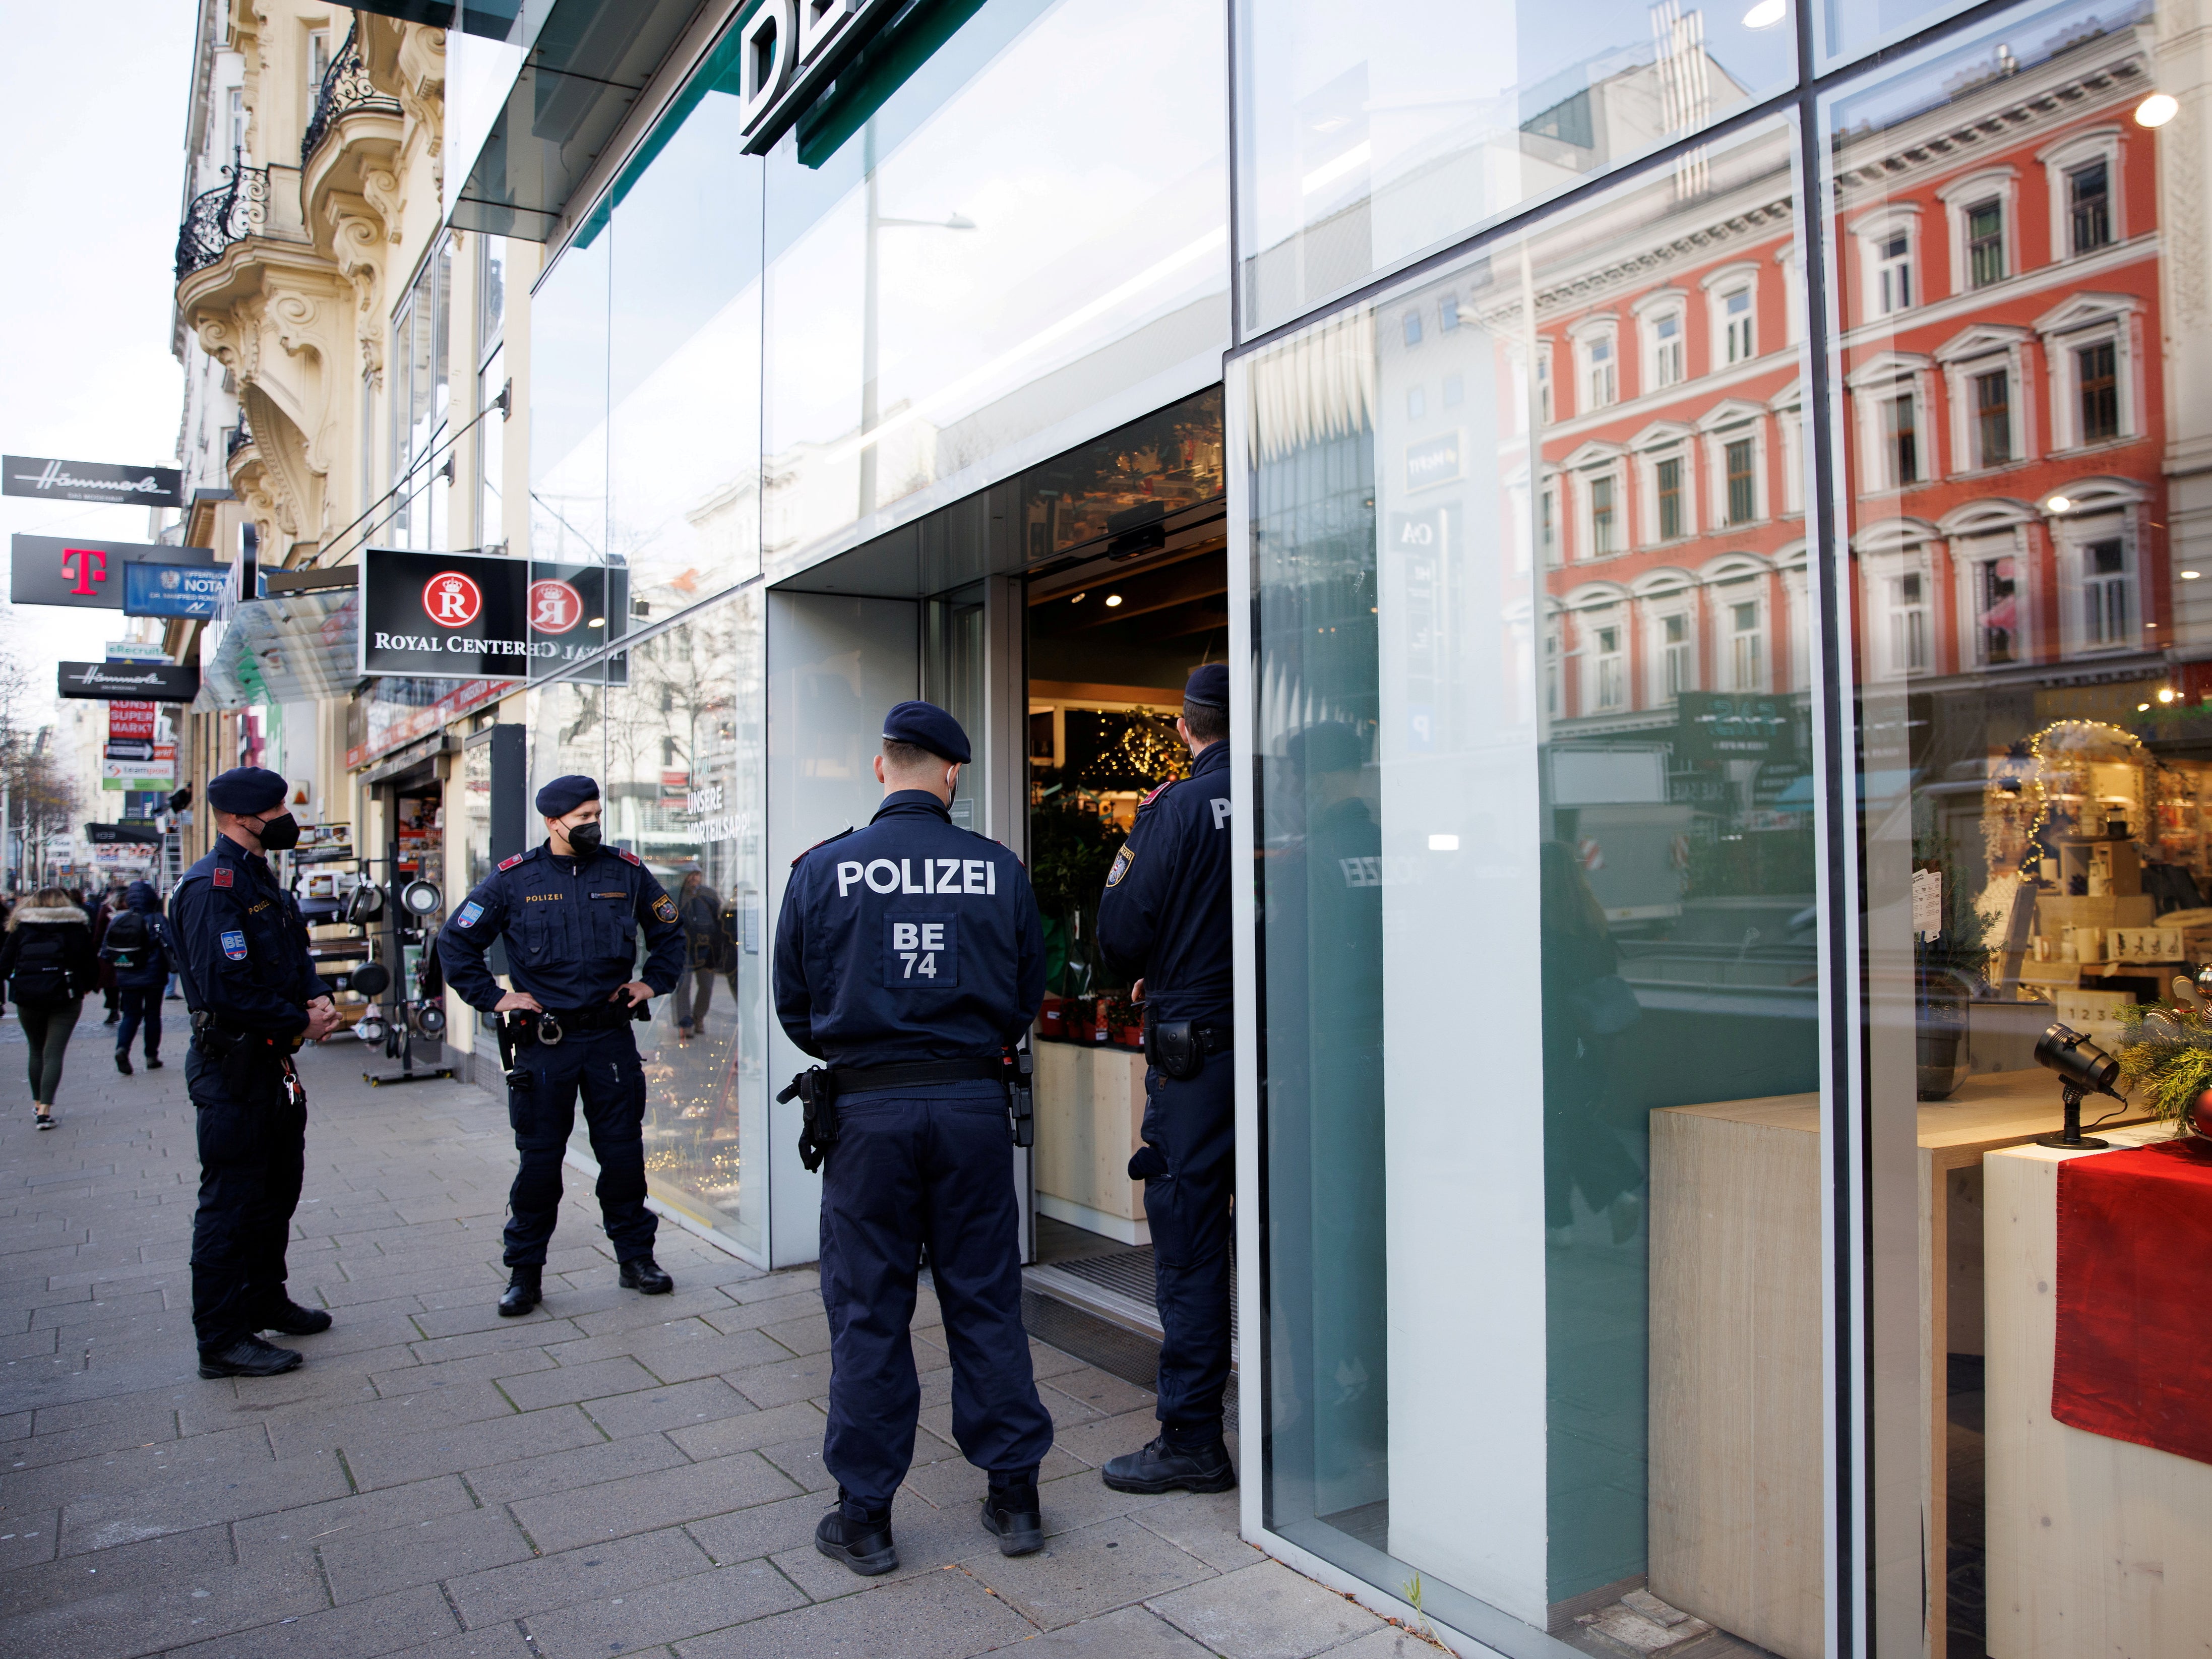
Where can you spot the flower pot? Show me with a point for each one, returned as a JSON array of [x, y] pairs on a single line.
[[1130, 1037], [1940, 1035], [1052, 1018]]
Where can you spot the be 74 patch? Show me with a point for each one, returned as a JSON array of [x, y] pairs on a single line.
[[921, 953], [665, 907], [234, 945]]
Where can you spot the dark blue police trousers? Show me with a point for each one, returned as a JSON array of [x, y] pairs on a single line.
[[603, 1068], [251, 1158], [1193, 1121], [928, 1166]]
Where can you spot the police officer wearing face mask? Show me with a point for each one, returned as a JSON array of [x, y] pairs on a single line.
[[1164, 920], [241, 952], [570, 910], [910, 957]]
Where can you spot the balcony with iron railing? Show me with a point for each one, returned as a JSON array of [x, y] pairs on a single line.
[[229, 213], [345, 87]]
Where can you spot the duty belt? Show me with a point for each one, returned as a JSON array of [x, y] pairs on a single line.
[[547, 1026], [818, 1088]]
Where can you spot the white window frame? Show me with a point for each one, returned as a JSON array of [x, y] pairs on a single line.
[[2002, 185], [1978, 350], [1655, 357], [2089, 319], [2098, 143], [1586, 510], [1725, 424], [2072, 537], [1726, 596], [1682, 454], [1589, 622], [1789, 257], [1871, 387], [1789, 411], [1659, 609], [1871, 234], [1741, 277], [1594, 380], [1551, 553], [1546, 406], [1555, 679], [1979, 534], [1789, 566], [1883, 575]]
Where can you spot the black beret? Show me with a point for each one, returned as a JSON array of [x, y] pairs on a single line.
[[247, 791], [1208, 686], [564, 795], [926, 727]]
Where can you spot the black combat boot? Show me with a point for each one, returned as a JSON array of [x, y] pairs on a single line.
[[248, 1355], [289, 1318], [858, 1537], [644, 1275], [122, 1062], [1012, 1515], [1163, 1468], [522, 1292]]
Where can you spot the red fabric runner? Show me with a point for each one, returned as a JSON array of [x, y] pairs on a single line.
[[2135, 1296]]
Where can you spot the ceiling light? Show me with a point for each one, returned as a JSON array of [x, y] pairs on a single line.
[[1766, 13], [2142, 709], [1079, 599], [1112, 599], [597, 622], [2189, 575], [2157, 110], [2165, 694], [2059, 504]]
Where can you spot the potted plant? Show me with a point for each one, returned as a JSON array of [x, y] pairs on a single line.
[[1052, 1017]]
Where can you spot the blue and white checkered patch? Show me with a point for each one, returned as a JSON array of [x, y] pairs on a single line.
[[469, 915], [234, 945]]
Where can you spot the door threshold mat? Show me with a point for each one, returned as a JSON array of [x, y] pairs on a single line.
[[1113, 1348]]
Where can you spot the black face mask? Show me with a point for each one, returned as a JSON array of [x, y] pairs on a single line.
[[584, 838], [280, 835]]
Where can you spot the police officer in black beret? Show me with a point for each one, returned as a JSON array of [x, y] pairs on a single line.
[[1164, 921], [241, 952], [910, 957], [570, 909]]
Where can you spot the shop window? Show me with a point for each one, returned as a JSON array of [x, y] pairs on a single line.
[[1669, 476], [2089, 207], [1893, 274], [1605, 528], [1900, 436], [1992, 418], [1747, 648], [1736, 325], [2105, 595], [1985, 254], [1742, 481], [2098, 391]]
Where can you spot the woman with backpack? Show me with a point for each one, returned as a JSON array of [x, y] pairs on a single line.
[[137, 950], [48, 962]]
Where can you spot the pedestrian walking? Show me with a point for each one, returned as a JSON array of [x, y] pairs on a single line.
[[570, 909], [103, 912], [241, 950], [49, 964], [137, 950], [1164, 920], [706, 953], [908, 955]]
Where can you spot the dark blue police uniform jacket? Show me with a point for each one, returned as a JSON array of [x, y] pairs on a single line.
[[1164, 915], [241, 950], [1163, 918], [909, 940], [571, 926]]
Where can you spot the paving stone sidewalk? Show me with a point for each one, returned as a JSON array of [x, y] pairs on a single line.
[[613, 1474]]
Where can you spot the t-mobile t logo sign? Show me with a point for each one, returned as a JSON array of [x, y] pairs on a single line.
[[83, 567]]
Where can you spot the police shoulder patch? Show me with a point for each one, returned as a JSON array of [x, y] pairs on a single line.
[[233, 945], [1122, 861], [824, 841], [469, 915], [220, 876], [630, 855], [665, 907], [509, 864], [1153, 794]]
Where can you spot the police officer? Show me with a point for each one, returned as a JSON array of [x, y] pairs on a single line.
[[569, 910], [1164, 921], [241, 953], [910, 957]]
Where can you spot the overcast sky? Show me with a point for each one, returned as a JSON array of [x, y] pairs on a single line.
[[97, 121]]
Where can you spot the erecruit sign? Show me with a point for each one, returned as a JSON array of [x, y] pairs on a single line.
[[478, 617], [92, 481], [128, 681], [83, 574]]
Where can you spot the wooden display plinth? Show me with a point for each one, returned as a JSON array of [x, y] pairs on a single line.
[[2097, 1547], [1090, 1115], [1737, 1367]]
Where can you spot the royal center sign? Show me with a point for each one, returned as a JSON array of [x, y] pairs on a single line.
[[83, 574], [473, 616]]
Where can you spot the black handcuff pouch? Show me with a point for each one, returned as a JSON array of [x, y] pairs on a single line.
[[817, 1130], [1173, 1046]]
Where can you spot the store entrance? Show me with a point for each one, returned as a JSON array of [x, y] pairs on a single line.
[[1110, 642]]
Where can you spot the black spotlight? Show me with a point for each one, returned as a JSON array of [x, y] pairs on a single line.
[[2083, 1068]]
